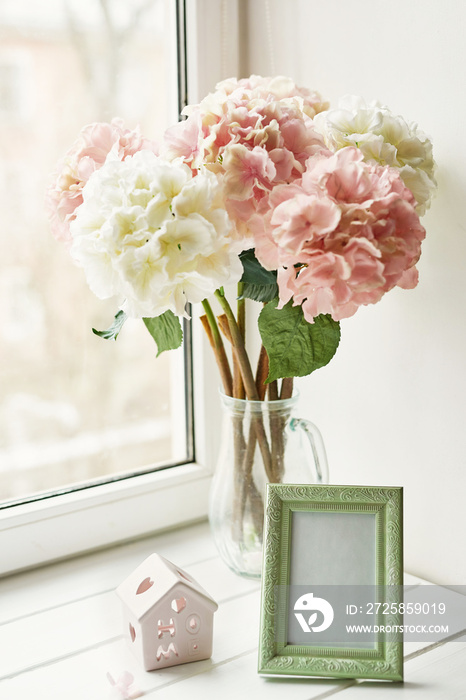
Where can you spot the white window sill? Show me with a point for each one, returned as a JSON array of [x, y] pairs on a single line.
[[61, 632], [101, 516]]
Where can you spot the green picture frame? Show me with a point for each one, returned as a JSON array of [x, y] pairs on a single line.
[[329, 540]]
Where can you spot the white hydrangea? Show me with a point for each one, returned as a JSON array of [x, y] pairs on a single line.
[[153, 235], [384, 138]]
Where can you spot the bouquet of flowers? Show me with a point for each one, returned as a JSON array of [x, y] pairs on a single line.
[[313, 212]]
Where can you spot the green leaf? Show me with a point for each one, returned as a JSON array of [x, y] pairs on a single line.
[[259, 284], [165, 330], [112, 332], [295, 347]]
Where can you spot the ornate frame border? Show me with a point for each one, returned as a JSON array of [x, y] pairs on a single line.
[[276, 657]]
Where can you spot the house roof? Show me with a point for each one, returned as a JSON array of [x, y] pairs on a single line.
[[154, 578]]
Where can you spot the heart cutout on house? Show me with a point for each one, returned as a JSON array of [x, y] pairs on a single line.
[[132, 632], [178, 604], [145, 585]]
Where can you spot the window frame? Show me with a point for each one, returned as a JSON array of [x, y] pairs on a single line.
[[67, 524]]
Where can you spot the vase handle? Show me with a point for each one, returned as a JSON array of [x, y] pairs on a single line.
[[317, 447]]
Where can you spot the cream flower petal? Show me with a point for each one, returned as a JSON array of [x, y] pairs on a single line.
[[152, 233]]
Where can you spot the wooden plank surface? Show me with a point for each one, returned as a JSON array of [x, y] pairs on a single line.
[[73, 579], [437, 674], [61, 632]]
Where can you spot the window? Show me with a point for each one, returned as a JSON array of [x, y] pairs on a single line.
[[65, 401], [75, 410]]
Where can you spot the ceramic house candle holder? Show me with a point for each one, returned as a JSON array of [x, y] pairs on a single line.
[[168, 616]]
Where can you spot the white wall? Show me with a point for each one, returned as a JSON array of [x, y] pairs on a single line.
[[391, 404]]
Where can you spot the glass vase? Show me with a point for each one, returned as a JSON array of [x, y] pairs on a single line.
[[262, 442]]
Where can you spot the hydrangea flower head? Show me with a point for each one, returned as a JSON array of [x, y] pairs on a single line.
[[95, 143], [341, 237], [256, 132], [153, 235], [383, 138]]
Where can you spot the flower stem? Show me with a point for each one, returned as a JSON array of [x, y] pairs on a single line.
[[239, 348], [273, 390], [262, 372], [249, 383], [216, 342], [287, 388], [238, 386]]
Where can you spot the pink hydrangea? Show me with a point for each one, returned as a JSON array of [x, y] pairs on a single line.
[[96, 143], [257, 132], [342, 236], [278, 87]]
